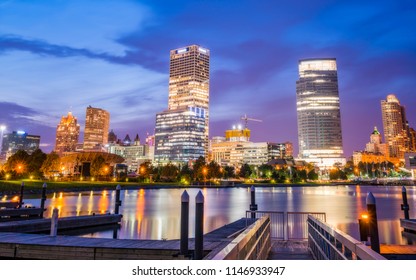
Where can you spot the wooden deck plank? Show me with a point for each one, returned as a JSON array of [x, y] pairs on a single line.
[[65, 223]]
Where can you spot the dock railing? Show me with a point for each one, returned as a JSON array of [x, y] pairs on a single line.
[[287, 225], [252, 244], [327, 243]]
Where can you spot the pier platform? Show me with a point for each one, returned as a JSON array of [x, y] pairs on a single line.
[[36, 246], [65, 223]]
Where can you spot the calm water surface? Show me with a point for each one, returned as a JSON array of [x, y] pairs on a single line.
[[155, 213]]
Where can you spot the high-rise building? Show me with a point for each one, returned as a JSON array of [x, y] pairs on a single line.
[[318, 112], [97, 124], [19, 140], [188, 104], [67, 134], [395, 127], [180, 135], [189, 81]]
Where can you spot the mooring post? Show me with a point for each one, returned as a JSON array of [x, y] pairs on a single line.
[[253, 205], [22, 187], [405, 205], [184, 223], [199, 226], [372, 222], [118, 201], [54, 222], [363, 228], [42, 200]]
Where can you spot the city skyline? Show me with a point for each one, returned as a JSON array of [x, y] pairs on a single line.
[[69, 59]]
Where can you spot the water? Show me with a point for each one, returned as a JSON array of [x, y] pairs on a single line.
[[155, 213]]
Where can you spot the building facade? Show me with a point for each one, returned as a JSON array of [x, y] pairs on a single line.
[[395, 127], [376, 146], [180, 135], [19, 140], [318, 112], [188, 90], [67, 134], [235, 149], [97, 124]]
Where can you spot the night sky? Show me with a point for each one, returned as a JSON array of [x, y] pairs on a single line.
[[57, 56]]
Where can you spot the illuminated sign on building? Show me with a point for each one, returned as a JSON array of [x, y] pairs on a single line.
[[184, 50]]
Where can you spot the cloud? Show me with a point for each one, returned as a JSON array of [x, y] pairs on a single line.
[[93, 25]]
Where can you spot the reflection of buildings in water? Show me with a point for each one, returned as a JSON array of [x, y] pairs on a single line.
[[155, 214]]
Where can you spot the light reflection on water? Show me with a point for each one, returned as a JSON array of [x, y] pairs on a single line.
[[155, 213]]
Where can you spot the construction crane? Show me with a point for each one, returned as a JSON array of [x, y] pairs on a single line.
[[246, 119]]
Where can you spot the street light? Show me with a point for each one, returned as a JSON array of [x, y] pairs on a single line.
[[204, 171]]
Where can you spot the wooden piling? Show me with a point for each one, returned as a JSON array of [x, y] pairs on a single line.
[[54, 222], [42, 200], [184, 223], [118, 201], [372, 222], [405, 205], [22, 187], [253, 205], [199, 226]]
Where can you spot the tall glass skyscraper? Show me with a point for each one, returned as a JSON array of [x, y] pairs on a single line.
[[318, 112], [188, 104]]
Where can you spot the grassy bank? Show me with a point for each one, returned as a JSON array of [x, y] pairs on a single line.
[[33, 186]]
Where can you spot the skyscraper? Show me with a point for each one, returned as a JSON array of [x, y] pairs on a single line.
[[180, 135], [318, 112], [97, 124], [189, 81], [67, 134], [178, 130], [395, 127]]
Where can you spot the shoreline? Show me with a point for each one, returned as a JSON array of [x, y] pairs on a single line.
[[35, 187]]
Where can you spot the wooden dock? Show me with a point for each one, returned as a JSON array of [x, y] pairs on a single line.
[[7, 213], [398, 252], [36, 246], [290, 250], [9, 204], [65, 223]]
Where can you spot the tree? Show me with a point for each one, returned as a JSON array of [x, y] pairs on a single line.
[[265, 170], [17, 164], [97, 167], [228, 172], [51, 164], [312, 175], [169, 172], [198, 169], [35, 162], [214, 170], [145, 169], [245, 171]]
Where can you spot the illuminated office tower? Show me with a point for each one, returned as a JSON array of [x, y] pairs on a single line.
[[395, 127], [97, 124], [67, 134], [318, 112], [180, 135], [189, 81]]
